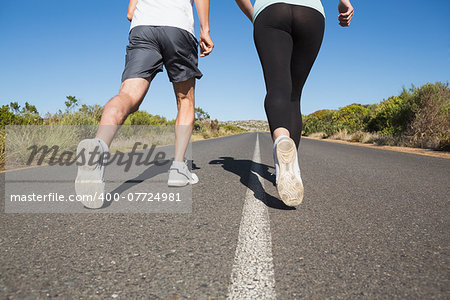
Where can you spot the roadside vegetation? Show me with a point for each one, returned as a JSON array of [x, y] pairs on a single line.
[[417, 117], [205, 128], [76, 114]]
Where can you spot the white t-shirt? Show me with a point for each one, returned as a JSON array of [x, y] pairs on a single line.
[[175, 13]]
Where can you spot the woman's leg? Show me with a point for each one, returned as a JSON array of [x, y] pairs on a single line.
[[288, 38], [307, 34], [273, 40]]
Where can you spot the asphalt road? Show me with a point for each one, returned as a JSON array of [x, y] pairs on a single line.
[[374, 224]]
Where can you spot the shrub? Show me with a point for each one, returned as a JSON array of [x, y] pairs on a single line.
[[144, 118], [430, 127], [209, 128], [320, 121], [200, 114], [231, 128], [351, 117], [391, 117], [6, 116], [12, 114]]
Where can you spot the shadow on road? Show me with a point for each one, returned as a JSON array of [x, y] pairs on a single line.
[[152, 171], [246, 169]]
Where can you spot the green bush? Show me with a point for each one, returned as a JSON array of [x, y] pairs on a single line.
[[351, 117], [391, 117], [320, 121], [12, 114], [144, 118], [6, 116], [417, 117], [430, 127], [231, 128]]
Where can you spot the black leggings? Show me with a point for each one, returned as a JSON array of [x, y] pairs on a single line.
[[288, 38]]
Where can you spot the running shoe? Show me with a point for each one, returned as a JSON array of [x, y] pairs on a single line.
[[179, 175], [287, 172], [90, 183]]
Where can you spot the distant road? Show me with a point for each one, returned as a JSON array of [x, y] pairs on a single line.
[[374, 224]]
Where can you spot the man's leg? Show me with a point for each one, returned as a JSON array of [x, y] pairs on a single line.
[[131, 94], [179, 174], [185, 95], [90, 178]]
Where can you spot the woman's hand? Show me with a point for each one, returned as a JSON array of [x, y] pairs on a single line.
[[246, 7], [346, 13]]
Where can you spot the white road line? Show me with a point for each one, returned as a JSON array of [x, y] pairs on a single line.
[[253, 273]]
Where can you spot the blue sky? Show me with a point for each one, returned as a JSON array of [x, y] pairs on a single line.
[[52, 49]]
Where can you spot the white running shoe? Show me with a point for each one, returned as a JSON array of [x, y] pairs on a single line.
[[287, 171], [179, 175], [90, 183]]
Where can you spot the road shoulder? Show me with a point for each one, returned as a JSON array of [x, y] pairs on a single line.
[[418, 151]]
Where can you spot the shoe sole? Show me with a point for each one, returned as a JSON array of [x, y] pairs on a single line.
[[86, 185], [177, 183], [181, 183], [289, 187]]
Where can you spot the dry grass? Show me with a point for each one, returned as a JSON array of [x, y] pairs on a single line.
[[359, 137], [320, 135], [211, 129], [17, 152], [20, 138], [2, 148], [127, 136]]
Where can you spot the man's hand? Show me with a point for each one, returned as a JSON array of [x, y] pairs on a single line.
[[131, 9], [346, 13], [206, 44]]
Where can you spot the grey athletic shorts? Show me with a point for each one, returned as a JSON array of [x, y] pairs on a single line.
[[151, 47]]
